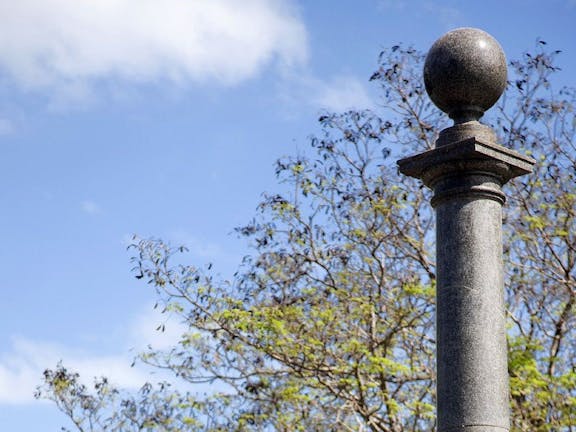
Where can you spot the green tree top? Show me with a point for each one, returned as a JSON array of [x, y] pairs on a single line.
[[329, 323]]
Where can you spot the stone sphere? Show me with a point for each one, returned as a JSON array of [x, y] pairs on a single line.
[[465, 73]]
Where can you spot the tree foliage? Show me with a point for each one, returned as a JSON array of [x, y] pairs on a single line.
[[329, 323]]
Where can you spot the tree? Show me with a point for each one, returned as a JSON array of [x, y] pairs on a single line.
[[329, 323]]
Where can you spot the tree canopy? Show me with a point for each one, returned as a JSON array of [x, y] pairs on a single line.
[[328, 325]]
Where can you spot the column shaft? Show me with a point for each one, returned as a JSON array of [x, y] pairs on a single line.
[[472, 392]]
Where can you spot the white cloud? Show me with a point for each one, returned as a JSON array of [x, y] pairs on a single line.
[[394, 4], [127, 240], [338, 93], [145, 332], [6, 126], [66, 43], [342, 93], [449, 17], [21, 366], [90, 207], [198, 248]]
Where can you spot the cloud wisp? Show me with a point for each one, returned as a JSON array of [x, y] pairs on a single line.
[[343, 93], [90, 207], [338, 93], [69, 43], [21, 366], [6, 126]]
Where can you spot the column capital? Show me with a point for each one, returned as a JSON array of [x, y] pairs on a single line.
[[470, 156]]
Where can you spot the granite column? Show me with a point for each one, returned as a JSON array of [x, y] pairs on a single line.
[[465, 74]]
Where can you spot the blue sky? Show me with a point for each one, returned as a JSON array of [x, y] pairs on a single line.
[[164, 118]]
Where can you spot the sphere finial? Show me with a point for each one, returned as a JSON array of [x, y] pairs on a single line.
[[465, 73]]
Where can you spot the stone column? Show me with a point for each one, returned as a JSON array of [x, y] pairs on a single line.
[[465, 74]]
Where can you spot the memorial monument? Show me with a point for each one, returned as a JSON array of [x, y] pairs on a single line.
[[465, 74]]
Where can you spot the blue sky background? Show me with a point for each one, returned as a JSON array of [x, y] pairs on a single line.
[[164, 118]]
